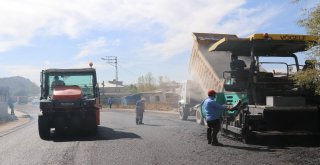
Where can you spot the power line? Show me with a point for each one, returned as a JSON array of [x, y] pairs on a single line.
[[113, 61], [130, 71]]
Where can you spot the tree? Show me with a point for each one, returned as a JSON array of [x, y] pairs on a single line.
[[146, 83], [309, 78], [131, 88], [163, 81]]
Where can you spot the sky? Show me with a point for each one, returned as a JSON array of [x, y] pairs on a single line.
[[145, 36]]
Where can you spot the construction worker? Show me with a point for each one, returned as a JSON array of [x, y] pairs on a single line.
[[213, 114], [139, 111], [110, 102], [11, 105], [56, 82]]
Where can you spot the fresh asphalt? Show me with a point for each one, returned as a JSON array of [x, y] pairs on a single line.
[[163, 139]]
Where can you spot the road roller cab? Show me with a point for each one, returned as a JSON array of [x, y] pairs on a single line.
[[69, 101]]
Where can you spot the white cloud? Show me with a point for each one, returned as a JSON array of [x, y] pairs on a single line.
[[244, 22], [98, 46], [92, 47], [21, 21], [173, 21], [223, 17]]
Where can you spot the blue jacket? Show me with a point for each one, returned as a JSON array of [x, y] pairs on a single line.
[[140, 106], [212, 109]]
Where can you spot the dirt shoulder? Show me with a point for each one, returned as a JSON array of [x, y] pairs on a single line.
[[13, 122]]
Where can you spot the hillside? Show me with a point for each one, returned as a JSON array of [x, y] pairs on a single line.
[[20, 86]]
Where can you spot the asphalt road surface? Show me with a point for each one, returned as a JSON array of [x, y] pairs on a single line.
[[163, 139]]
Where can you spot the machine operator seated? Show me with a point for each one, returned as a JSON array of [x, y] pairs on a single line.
[[238, 69], [239, 75], [237, 64], [57, 82]]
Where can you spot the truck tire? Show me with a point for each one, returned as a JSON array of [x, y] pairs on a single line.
[[199, 118], [43, 127], [183, 113]]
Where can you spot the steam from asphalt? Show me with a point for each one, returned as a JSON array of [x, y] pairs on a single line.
[[218, 61], [195, 93]]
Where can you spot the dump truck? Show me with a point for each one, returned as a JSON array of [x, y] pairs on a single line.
[[72, 104], [254, 76], [190, 98]]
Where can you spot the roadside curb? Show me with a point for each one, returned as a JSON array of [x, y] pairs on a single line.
[[11, 126]]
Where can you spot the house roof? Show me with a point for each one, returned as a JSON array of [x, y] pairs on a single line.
[[110, 85]]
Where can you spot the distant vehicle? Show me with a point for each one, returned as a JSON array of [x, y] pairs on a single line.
[[191, 95], [72, 105], [22, 100], [35, 101]]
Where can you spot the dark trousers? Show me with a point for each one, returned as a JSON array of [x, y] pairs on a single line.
[[12, 110], [212, 130], [139, 117]]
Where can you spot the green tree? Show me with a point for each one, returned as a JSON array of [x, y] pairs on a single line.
[[310, 78]]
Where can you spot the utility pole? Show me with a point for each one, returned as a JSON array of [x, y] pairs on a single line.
[[113, 61]]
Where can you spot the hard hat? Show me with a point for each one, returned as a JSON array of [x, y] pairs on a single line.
[[211, 92]]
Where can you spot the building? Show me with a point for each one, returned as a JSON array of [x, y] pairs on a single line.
[[114, 90], [152, 97]]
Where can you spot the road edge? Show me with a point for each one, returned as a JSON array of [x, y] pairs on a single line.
[[11, 126]]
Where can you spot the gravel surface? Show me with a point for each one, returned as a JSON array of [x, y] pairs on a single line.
[[163, 139]]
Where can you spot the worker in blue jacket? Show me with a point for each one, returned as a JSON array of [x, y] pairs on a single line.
[[139, 111], [214, 113]]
